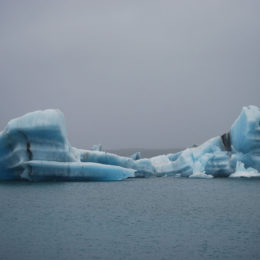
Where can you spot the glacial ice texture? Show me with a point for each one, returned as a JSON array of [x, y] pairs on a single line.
[[35, 147]]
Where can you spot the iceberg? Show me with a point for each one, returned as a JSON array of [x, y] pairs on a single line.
[[35, 147]]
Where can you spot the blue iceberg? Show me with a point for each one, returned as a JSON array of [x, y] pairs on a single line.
[[35, 147]]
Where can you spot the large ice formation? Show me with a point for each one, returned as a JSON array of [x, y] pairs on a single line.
[[35, 147]]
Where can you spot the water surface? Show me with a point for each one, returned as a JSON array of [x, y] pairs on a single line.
[[153, 218]]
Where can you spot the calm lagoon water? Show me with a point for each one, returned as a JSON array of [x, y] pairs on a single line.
[[153, 218]]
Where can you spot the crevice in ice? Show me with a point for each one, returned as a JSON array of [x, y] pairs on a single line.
[[226, 140], [30, 155]]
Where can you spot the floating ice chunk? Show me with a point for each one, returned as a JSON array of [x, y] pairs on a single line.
[[96, 147], [136, 156]]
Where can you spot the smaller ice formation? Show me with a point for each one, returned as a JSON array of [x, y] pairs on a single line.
[[136, 156], [35, 147], [96, 147], [241, 171]]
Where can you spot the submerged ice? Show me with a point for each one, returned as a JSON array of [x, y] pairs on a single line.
[[35, 147]]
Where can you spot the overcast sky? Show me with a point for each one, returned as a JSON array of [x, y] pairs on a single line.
[[151, 74]]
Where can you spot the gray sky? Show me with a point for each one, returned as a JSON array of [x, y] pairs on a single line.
[[151, 74]]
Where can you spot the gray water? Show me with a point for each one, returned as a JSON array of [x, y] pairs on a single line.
[[153, 218]]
